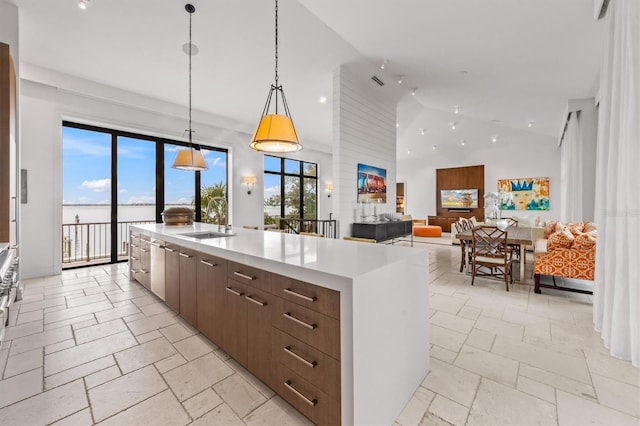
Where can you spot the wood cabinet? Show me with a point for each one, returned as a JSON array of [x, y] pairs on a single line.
[[187, 284], [211, 276], [284, 331], [8, 148], [234, 328], [172, 277], [260, 306]]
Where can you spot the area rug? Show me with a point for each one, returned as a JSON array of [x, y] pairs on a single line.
[[444, 240]]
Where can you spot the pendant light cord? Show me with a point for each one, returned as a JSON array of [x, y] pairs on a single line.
[[276, 43], [190, 46]]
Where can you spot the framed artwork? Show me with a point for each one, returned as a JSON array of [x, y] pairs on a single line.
[[524, 193], [372, 184]]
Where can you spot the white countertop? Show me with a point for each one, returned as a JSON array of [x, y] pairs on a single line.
[[339, 258]]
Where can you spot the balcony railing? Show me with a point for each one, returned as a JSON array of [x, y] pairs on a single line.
[[328, 228], [89, 243]]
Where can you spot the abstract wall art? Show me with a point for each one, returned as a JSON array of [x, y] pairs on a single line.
[[372, 184], [524, 193]]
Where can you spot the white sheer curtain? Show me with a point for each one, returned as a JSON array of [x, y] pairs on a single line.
[[616, 308], [571, 178]]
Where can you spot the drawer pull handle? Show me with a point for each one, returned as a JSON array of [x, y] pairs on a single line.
[[311, 364], [311, 402], [185, 255], [160, 246], [256, 301], [144, 250], [208, 263], [143, 271], [169, 249], [135, 258], [234, 291], [133, 245], [294, 319], [245, 276], [301, 296]]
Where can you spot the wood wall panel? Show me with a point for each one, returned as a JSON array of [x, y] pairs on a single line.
[[7, 132], [470, 177]]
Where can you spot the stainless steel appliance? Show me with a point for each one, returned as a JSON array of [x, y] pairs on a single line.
[[10, 289]]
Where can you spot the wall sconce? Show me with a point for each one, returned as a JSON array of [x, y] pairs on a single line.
[[250, 181], [329, 188]]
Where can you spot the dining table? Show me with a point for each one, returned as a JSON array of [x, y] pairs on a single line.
[[515, 236]]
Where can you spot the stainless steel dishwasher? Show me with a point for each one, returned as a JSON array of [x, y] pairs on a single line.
[[157, 268]]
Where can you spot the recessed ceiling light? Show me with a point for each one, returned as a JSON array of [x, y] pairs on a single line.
[[463, 142], [409, 151], [413, 91], [322, 99], [400, 79], [84, 4], [435, 147], [456, 109], [384, 64], [397, 124], [494, 139], [452, 125], [531, 123], [422, 131]]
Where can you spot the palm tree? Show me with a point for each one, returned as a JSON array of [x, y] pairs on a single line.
[[207, 193]]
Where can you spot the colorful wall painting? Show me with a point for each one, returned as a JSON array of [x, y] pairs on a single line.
[[524, 193]]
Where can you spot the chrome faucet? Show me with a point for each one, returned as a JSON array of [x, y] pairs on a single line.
[[216, 208]]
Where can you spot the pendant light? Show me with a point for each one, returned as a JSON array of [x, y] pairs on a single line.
[[190, 158], [275, 132]]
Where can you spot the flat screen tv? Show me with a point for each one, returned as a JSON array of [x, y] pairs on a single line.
[[459, 198]]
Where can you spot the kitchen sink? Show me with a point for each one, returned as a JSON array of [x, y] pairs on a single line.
[[206, 234]]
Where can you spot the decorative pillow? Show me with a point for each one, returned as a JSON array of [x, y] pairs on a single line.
[[559, 240], [560, 227], [588, 227], [549, 228], [576, 228], [584, 242]]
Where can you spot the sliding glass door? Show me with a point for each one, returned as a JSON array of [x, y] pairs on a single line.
[[112, 179]]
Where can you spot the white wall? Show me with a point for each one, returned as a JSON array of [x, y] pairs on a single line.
[[49, 97], [364, 131], [531, 155], [588, 120]]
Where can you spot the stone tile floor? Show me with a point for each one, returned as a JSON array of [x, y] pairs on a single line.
[[91, 347]]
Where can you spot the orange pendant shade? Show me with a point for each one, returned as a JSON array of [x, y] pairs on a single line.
[[275, 133], [189, 159]]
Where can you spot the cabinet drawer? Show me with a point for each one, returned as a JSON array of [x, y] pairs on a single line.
[[306, 398], [313, 328], [317, 367], [311, 296], [249, 275]]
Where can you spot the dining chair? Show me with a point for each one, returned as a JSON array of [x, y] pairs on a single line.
[[491, 254], [465, 247], [515, 248]]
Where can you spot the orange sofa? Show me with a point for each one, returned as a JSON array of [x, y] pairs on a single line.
[[569, 250]]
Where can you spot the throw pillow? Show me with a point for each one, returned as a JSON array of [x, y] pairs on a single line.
[[559, 240], [589, 226], [549, 228], [576, 228], [584, 242]]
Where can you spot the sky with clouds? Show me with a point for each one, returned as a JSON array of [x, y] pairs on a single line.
[[86, 172]]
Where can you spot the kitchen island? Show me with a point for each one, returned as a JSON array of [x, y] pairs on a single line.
[[338, 328]]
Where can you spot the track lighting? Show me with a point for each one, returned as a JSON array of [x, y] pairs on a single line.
[[494, 139], [531, 123], [452, 125], [422, 131], [463, 142], [456, 109], [400, 79], [84, 4], [413, 91], [384, 64]]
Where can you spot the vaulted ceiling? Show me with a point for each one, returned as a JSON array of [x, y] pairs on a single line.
[[504, 63]]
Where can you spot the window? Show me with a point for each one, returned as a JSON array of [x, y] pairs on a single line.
[[290, 189], [112, 179]]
